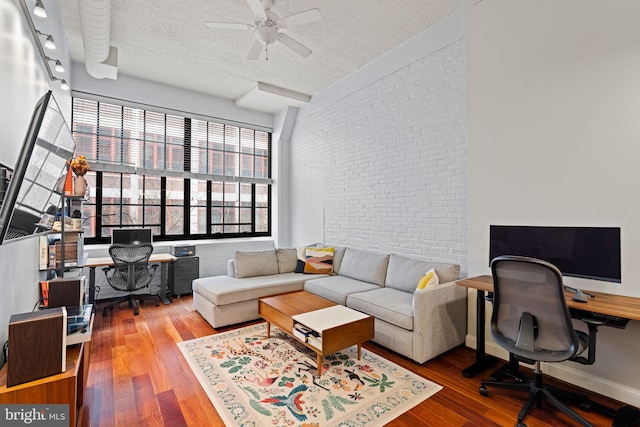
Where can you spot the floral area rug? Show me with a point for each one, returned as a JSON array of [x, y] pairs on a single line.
[[257, 381]]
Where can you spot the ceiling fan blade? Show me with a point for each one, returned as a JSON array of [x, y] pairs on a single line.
[[256, 7], [306, 17], [294, 45], [254, 53], [228, 26]]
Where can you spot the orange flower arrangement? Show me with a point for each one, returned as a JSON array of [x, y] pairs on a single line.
[[79, 165]]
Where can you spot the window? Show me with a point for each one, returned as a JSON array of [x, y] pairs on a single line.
[[183, 177]]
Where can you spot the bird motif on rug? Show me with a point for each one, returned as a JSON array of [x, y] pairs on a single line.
[[293, 401]]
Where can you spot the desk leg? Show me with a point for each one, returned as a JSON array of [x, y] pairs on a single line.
[[164, 284], [92, 287], [483, 361]]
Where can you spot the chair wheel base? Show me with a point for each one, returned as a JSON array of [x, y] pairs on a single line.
[[484, 391]]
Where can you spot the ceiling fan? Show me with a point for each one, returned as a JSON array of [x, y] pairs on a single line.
[[267, 25]]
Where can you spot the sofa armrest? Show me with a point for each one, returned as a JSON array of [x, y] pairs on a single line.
[[439, 319], [231, 268]]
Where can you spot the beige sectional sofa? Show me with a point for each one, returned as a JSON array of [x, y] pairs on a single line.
[[417, 323]]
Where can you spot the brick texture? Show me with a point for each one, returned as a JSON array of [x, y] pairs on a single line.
[[391, 161]]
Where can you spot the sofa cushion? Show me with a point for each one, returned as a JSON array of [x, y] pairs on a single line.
[[446, 272], [256, 263], [337, 288], [405, 274], [338, 254], [364, 265], [287, 260], [391, 305], [223, 290]]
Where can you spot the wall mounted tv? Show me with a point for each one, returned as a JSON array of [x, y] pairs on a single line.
[[42, 164], [585, 252]]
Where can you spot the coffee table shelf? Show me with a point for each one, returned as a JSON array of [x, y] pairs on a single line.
[[340, 327]]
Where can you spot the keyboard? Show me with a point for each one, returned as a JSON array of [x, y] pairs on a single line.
[[613, 321]]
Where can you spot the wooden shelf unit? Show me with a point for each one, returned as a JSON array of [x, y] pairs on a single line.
[[64, 388]]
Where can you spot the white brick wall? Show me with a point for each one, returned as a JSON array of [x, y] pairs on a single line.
[[386, 164]]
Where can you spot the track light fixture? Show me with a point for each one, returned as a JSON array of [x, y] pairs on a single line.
[[63, 83], [57, 65], [48, 42], [39, 9]]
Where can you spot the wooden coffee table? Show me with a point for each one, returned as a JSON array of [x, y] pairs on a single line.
[[339, 327]]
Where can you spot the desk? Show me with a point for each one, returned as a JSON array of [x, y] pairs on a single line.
[[615, 305], [106, 261]]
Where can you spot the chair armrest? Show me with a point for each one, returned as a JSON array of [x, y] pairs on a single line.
[[439, 319]]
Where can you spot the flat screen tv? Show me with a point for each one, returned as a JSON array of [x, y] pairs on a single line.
[[131, 236], [585, 252], [42, 164]]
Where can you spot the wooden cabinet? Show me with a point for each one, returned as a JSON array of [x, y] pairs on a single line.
[[65, 388]]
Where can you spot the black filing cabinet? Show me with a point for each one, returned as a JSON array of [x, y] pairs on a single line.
[[181, 272]]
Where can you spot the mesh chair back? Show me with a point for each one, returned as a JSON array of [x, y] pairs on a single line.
[[131, 266], [526, 285]]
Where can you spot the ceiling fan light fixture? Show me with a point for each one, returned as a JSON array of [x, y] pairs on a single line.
[[266, 34]]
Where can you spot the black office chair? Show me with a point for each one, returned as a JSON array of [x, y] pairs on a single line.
[[531, 320], [131, 271]]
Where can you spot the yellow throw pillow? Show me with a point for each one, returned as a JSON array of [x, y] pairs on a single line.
[[429, 279]]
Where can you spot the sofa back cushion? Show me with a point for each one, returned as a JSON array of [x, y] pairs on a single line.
[[287, 260], [256, 263], [338, 254], [364, 265], [404, 274]]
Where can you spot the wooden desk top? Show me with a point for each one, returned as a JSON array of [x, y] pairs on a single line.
[[107, 261], [614, 305]]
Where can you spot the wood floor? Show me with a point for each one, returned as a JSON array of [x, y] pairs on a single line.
[[138, 377]]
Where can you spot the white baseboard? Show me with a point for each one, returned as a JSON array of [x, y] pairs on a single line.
[[564, 372]]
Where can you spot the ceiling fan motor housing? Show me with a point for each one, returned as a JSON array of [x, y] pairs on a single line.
[[267, 29]]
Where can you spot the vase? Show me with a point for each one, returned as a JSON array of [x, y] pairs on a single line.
[[79, 186]]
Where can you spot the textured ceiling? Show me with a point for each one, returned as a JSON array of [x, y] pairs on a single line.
[[166, 41]]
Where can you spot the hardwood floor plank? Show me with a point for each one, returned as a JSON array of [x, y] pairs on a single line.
[[138, 376], [147, 406], [171, 412]]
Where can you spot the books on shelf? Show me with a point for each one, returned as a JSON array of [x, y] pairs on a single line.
[[308, 335], [301, 332], [50, 251], [315, 341]]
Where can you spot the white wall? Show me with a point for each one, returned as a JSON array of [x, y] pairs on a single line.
[[378, 160], [553, 139], [22, 82]]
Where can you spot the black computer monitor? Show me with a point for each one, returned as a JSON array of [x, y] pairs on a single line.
[[131, 236], [585, 252]]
